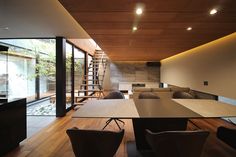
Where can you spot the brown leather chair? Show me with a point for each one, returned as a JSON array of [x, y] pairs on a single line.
[[177, 143], [94, 143], [114, 95]]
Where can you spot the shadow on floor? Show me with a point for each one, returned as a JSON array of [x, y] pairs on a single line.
[[133, 152]]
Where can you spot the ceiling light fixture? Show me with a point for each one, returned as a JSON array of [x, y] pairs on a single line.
[[135, 28], [189, 28], [139, 11], [213, 11]]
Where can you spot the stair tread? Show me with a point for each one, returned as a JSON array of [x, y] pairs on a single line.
[[93, 75], [90, 85], [93, 80], [94, 67], [89, 90], [87, 96]]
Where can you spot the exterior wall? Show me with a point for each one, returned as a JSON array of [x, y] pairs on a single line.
[[214, 62]]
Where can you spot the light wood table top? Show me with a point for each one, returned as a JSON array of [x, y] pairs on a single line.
[[107, 108], [208, 108], [155, 108]]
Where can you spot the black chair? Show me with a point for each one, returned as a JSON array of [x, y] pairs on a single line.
[[94, 143], [114, 95], [182, 95], [154, 124], [228, 135], [148, 95], [177, 143]]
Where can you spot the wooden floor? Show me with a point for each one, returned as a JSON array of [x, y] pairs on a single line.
[[37, 123], [52, 141]]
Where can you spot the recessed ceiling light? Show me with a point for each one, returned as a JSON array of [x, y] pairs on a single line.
[[139, 11], [135, 28], [213, 11], [189, 28]]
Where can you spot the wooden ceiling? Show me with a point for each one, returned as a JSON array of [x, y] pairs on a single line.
[[161, 28]]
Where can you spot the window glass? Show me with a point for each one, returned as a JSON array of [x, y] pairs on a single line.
[[229, 101], [68, 75], [78, 70], [26, 70]]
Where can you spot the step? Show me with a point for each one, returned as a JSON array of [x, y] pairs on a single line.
[[91, 81], [93, 67], [90, 90], [93, 75], [98, 60], [87, 96], [92, 71], [90, 75], [84, 81], [90, 85], [94, 80], [95, 63], [99, 52]]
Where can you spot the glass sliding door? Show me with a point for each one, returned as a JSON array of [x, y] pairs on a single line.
[[31, 72], [75, 68], [79, 61], [47, 82], [28, 68], [3, 74], [69, 51]]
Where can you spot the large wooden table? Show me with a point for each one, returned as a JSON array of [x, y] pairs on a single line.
[[155, 114], [155, 108]]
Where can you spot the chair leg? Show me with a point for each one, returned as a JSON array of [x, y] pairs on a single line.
[[117, 124], [115, 119], [107, 122], [120, 121]]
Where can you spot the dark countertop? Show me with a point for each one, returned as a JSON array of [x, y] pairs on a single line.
[[9, 102]]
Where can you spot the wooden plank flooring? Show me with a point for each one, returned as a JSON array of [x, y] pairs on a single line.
[[52, 141]]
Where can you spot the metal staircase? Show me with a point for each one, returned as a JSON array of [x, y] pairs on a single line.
[[92, 82]]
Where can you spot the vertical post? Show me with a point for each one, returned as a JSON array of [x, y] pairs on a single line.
[[60, 76], [37, 79], [73, 77], [86, 70]]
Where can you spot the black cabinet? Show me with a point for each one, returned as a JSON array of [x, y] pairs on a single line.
[[12, 124]]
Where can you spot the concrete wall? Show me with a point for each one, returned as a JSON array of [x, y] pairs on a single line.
[[214, 62], [129, 71]]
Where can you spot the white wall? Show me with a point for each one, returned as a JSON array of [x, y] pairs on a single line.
[[214, 62]]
